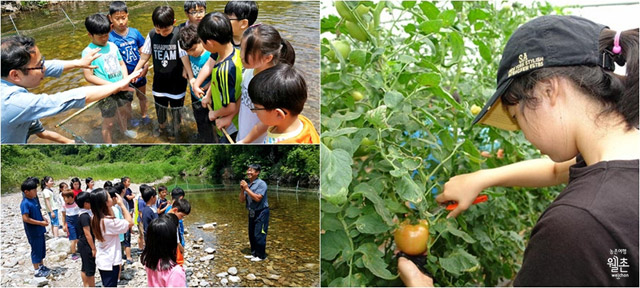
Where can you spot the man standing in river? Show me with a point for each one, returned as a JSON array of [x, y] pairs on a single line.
[[254, 194]]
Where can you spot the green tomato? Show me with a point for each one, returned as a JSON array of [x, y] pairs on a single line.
[[356, 31], [356, 95], [361, 10], [344, 11], [343, 48]]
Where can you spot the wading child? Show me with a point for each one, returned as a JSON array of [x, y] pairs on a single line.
[[278, 95], [70, 212], [125, 243], [262, 48], [181, 208], [76, 186], [129, 42], [169, 87], [89, 182], [162, 202], [159, 256], [110, 69], [148, 214], [242, 15], [52, 205], [194, 10], [107, 229], [86, 245], [34, 226], [198, 56], [226, 77]]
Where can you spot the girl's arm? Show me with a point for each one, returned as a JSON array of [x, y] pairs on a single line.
[[63, 221], [530, 173], [87, 233], [46, 203], [126, 216]]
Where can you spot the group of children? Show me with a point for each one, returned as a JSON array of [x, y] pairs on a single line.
[[240, 74], [98, 223]]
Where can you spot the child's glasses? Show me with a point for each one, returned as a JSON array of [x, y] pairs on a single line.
[[256, 109], [199, 12], [41, 67]]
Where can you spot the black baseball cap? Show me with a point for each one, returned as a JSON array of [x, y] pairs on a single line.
[[546, 41]]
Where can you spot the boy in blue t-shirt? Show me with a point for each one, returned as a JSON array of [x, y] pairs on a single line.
[[226, 77], [148, 214], [198, 56], [110, 69], [129, 41], [169, 63], [34, 225]]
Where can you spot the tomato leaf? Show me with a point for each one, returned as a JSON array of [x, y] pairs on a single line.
[[371, 224], [429, 9], [332, 243], [370, 193], [330, 222], [459, 233], [372, 258], [393, 98], [430, 26], [429, 79], [459, 261], [358, 57], [408, 4], [448, 17], [335, 174], [409, 190], [343, 131]]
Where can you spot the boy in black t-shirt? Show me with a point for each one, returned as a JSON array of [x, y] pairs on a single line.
[[169, 62], [86, 246]]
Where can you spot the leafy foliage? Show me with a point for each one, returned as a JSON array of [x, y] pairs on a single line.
[[420, 73]]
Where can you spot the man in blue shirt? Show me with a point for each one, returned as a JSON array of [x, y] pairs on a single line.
[[254, 194], [24, 67]]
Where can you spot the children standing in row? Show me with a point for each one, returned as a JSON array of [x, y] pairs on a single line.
[[169, 87], [70, 212], [129, 42], [106, 229], [110, 68], [51, 202], [262, 48], [86, 245], [34, 226], [226, 77]]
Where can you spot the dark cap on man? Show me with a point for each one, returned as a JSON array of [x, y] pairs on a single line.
[[546, 41]]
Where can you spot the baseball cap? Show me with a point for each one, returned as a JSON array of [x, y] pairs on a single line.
[[546, 41]]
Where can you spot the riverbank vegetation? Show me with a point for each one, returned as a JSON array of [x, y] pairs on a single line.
[[286, 164]]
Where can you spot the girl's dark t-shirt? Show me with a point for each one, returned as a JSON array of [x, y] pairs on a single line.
[[589, 235]]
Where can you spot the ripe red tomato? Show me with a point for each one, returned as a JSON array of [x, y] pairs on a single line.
[[412, 239]]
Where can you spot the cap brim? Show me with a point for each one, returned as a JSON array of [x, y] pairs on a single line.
[[495, 114]]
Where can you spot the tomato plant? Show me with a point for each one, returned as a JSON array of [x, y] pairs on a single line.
[[385, 157]]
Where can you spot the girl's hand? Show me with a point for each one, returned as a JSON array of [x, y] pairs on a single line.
[[64, 228], [93, 253], [119, 199], [53, 215], [462, 189]]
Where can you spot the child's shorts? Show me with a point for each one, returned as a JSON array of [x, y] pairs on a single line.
[[109, 105], [88, 261], [38, 248], [54, 221], [127, 239], [141, 82], [71, 227]]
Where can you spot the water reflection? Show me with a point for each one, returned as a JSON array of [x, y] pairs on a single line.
[[57, 39], [292, 241]]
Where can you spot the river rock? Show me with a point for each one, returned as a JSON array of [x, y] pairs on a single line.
[[222, 274], [210, 250], [234, 279], [199, 275], [58, 245], [204, 283], [224, 281], [209, 226], [206, 258], [191, 259], [233, 270], [10, 262], [200, 240], [273, 276], [268, 282], [193, 283], [57, 257], [39, 281], [127, 275], [196, 246], [251, 277]]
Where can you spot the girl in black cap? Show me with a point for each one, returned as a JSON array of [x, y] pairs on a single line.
[[556, 84]]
